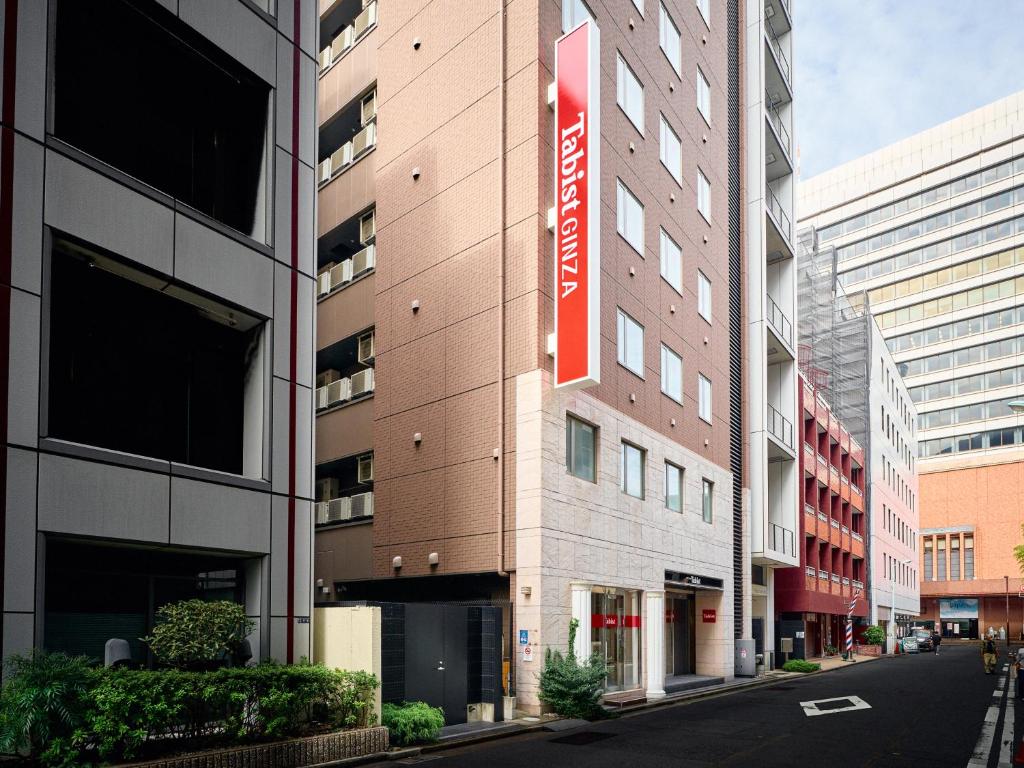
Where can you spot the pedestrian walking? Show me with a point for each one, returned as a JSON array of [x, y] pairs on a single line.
[[988, 654], [1019, 666], [936, 642]]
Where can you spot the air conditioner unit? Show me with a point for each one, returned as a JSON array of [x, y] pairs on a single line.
[[365, 469], [327, 488], [362, 504], [362, 382], [366, 19], [339, 509], [364, 260], [321, 398], [366, 348], [325, 58], [342, 43], [326, 377], [368, 107], [341, 157], [368, 227], [363, 140], [323, 171], [339, 391], [341, 273], [323, 283], [321, 512]]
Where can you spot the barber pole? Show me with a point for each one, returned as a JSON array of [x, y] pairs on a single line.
[[577, 208], [849, 626]]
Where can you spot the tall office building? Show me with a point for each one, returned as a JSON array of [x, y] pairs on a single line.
[[928, 232], [156, 279], [449, 465]]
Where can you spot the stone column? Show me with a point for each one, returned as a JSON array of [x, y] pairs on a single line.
[[655, 630], [581, 612]]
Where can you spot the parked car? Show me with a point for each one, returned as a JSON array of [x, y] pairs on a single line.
[[908, 644], [924, 638]]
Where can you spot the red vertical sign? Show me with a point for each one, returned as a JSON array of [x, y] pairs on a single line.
[[577, 207]]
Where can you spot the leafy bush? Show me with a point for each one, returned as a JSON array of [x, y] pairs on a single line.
[[127, 708], [799, 665], [874, 635], [570, 688], [42, 705], [412, 722], [195, 634]]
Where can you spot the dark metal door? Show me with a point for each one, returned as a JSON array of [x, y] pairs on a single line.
[[436, 668], [456, 674]]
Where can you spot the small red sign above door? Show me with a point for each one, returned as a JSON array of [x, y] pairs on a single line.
[[709, 615]]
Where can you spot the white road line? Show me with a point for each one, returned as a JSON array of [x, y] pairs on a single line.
[[979, 758], [1006, 740], [1003, 695]]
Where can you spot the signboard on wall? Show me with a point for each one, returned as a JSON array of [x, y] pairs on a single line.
[[958, 608], [709, 615], [577, 208]]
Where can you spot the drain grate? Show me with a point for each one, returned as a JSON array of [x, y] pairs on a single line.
[[582, 738]]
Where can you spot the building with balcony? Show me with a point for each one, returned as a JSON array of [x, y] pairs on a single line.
[[156, 296], [770, 300], [929, 232], [812, 602]]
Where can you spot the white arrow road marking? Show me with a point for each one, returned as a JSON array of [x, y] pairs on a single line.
[[811, 707]]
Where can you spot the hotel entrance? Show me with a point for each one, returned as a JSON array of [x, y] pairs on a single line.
[[615, 635], [680, 634]]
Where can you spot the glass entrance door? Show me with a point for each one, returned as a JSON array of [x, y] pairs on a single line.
[[615, 635], [679, 635]]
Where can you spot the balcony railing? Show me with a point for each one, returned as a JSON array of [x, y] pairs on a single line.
[[345, 508], [810, 571], [778, 320], [781, 539], [349, 36], [347, 153], [856, 489], [779, 124], [835, 577], [823, 575], [780, 426], [335, 276], [846, 582], [858, 584], [777, 47], [856, 536], [823, 517], [833, 522], [845, 530], [341, 390], [844, 479], [822, 460], [779, 213], [809, 510]]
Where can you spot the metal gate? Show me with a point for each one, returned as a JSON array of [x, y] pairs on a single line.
[[436, 657]]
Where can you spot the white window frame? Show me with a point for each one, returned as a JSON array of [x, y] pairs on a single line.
[[704, 6], [671, 359], [623, 225], [703, 195], [625, 485], [680, 478], [668, 31], [639, 6], [671, 257], [703, 96], [669, 139], [624, 347], [628, 91], [704, 397], [571, 447], [707, 500], [703, 295], [570, 14]]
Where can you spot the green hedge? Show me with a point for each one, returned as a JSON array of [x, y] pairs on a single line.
[[413, 722], [799, 665]]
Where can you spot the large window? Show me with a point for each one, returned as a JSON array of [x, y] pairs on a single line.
[[671, 151], [968, 556], [707, 500], [629, 217], [581, 449], [137, 88], [629, 93], [954, 558], [673, 487], [671, 261], [671, 42], [631, 343], [671, 374], [704, 397], [703, 296], [704, 195], [704, 96], [940, 546], [928, 555], [137, 370], [632, 470], [574, 13]]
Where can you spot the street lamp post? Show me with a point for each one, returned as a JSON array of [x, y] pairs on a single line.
[[892, 604]]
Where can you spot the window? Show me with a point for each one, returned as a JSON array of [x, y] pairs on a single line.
[[671, 151], [968, 556], [574, 13], [704, 96], [704, 398], [671, 41], [707, 500], [928, 559], [673, 487], [629, 217], [704, 6], [639, 6], [629, 94], [954, 558], [195, 125], [631, 344], [703, 196], [671, 262], [580, 449], [632, 470], [703, 296], [941, 547], [671, 374]]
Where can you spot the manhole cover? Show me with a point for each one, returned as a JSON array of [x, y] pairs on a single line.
[[582, 738]]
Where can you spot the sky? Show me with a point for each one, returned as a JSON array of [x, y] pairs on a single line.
[[871, 72]]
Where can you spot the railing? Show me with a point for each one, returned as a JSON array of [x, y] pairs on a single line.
[[778, 320], [349, 36], [844, 479], [846, 582], [781, 536], [779, 213], [833, 472], [336, 276], [809, 448], [780, 426], [845, 530], [822, 460], [856, 489], [857, 537], [347, 153], [823, 575], [775, 117], [835, 577], [833, 522], [858, 584], [777, 47], [810, 510], [823, 517]]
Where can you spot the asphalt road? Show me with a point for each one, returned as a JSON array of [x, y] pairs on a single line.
[[921, 710]]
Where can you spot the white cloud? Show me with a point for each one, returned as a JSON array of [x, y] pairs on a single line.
[[871, 72]]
